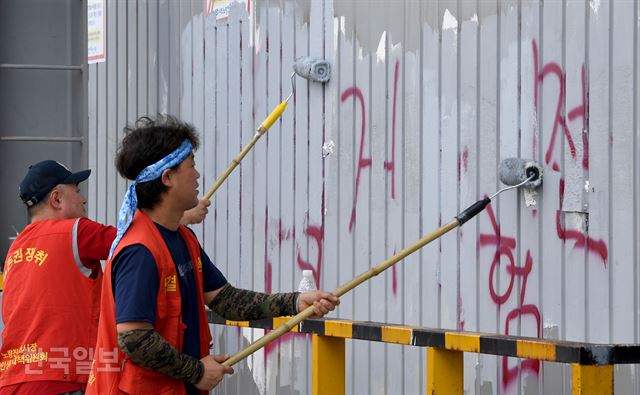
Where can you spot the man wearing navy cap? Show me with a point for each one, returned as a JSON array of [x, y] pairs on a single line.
[[52, 283], [44, 176]]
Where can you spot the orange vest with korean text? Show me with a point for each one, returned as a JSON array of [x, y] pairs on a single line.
[[50, 307], [113, 372]]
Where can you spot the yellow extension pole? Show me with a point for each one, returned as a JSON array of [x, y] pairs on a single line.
[[308, 312], [262, 129]]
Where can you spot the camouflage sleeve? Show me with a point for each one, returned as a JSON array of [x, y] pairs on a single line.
[[149, 349], [243, 305]]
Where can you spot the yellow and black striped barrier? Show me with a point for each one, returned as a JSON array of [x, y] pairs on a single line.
[[592, 364]]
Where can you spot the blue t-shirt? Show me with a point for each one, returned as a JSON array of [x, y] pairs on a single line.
[[136, 283]]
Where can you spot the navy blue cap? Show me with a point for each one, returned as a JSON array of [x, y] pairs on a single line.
[[43, 176]]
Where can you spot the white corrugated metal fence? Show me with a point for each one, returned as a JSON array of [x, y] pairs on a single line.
[[425, 100]]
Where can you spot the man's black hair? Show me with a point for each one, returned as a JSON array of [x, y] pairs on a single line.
[[145, 143]]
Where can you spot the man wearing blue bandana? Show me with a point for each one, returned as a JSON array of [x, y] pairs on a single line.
[[158, 279]]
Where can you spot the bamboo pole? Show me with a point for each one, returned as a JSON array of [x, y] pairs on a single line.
[[341, 290], [262, 129]]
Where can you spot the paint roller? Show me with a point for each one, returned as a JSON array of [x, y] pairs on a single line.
[[513, 172], [310, 68]]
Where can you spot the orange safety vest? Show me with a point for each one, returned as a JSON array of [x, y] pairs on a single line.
[[50, 307], [113, 372]]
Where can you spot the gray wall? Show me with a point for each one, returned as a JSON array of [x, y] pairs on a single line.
[[46, 104], [425, 101], [141, 76]]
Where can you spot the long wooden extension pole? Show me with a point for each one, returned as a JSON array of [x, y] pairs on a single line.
[[341, 290], [459, 220]]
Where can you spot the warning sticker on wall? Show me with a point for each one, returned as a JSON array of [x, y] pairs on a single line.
[[220, 8], [96, 50]]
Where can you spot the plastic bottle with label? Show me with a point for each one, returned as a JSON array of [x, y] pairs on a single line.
[[302, 343], [307, 283]]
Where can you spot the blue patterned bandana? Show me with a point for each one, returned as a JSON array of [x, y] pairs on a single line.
[[149, 173]]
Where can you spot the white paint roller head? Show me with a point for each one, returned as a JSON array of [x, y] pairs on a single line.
[[513, 171], [313, 69]]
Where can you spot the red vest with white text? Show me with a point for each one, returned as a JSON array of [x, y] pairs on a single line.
[[113, 372], [50, 307]]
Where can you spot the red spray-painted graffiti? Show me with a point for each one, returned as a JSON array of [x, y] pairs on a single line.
[[597, 247], [364, 163], [463, 162], [560, 121], [505, 246], [314, 235]]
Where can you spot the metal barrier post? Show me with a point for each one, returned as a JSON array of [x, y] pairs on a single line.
[[328, 371], [592, 379], [445, 372]]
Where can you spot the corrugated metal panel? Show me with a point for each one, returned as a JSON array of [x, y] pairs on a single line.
[[425, 100]]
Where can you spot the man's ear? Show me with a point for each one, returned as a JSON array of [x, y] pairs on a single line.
[[54, 198], [166, 177]]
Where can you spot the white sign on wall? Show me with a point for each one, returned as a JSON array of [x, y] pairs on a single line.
[[220, 8], [96, 49]]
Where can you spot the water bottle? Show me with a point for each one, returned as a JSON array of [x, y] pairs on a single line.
[[301, 343], [307, 283]]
